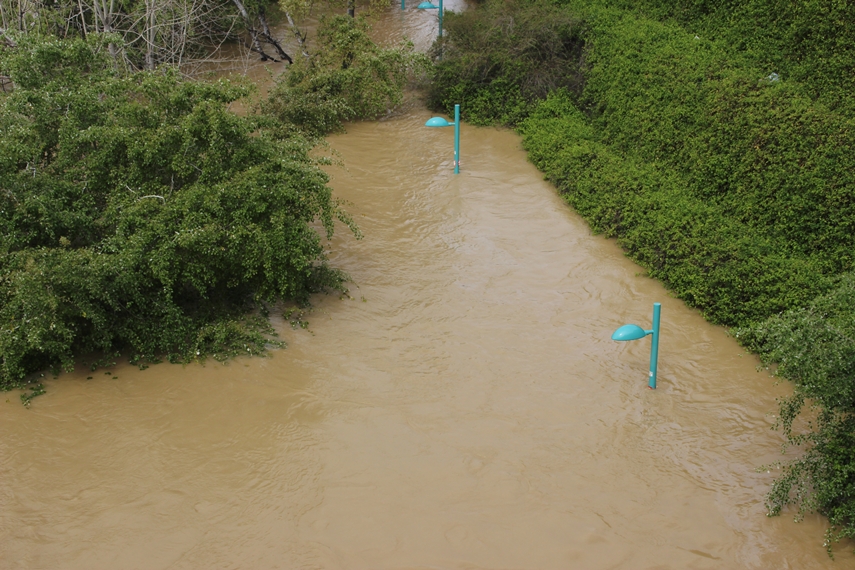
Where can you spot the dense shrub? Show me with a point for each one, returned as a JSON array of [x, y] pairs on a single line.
[[503, 56], [807, 42], [138, 214]]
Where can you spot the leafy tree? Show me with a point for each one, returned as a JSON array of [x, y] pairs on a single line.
[[138, 214]]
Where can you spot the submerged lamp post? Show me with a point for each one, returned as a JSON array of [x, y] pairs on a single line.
[[440, 122], [426, 5], [635, 332]]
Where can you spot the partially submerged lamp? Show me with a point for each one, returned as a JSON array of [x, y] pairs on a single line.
[[635, 332], [440, 122]]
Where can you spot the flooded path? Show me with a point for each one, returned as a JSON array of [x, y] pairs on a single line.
[[465, 408]]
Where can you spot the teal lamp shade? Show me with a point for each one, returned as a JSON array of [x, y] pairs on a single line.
[[629, 332], [438, 122], [426, 6]]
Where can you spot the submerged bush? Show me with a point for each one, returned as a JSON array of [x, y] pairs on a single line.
[[138, 214], [348, 77]]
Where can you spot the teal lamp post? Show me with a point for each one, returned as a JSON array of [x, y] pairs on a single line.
[[440, 122], [426, 5], [635, 332]]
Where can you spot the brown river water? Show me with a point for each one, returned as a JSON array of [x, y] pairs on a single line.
[[463, 408]]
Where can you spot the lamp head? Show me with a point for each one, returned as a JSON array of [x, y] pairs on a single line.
[[630, 332], [438, 122]]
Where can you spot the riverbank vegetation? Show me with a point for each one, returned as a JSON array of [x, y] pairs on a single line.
[[714, 141], [139, 215]]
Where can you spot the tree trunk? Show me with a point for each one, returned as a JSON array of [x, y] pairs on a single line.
[[269, 37], [253, 33], [149, 34], [105, 13], [83, 29], [301, 37]]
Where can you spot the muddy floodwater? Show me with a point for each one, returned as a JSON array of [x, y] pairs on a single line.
[[463, 408]]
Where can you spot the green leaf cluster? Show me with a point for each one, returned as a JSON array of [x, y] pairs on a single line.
[[760, 150], [714, 262], [139, 214], [808, 42]]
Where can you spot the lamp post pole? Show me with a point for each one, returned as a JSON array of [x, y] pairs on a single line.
[[654, 345], [635, 332], [456, 121]]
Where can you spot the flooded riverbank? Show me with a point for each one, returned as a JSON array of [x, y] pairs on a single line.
[[463, 408]]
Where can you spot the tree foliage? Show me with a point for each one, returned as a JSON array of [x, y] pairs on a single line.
[[137, 213], [814, 346]]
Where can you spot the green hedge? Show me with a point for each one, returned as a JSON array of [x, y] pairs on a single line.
[[808, 42], [761, 150], [710, 260]]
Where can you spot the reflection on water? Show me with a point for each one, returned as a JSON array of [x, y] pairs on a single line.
[[463, 408]]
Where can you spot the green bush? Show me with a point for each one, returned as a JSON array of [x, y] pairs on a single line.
[[808, 43], [349, 77], [762, 151], [139, 214]]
